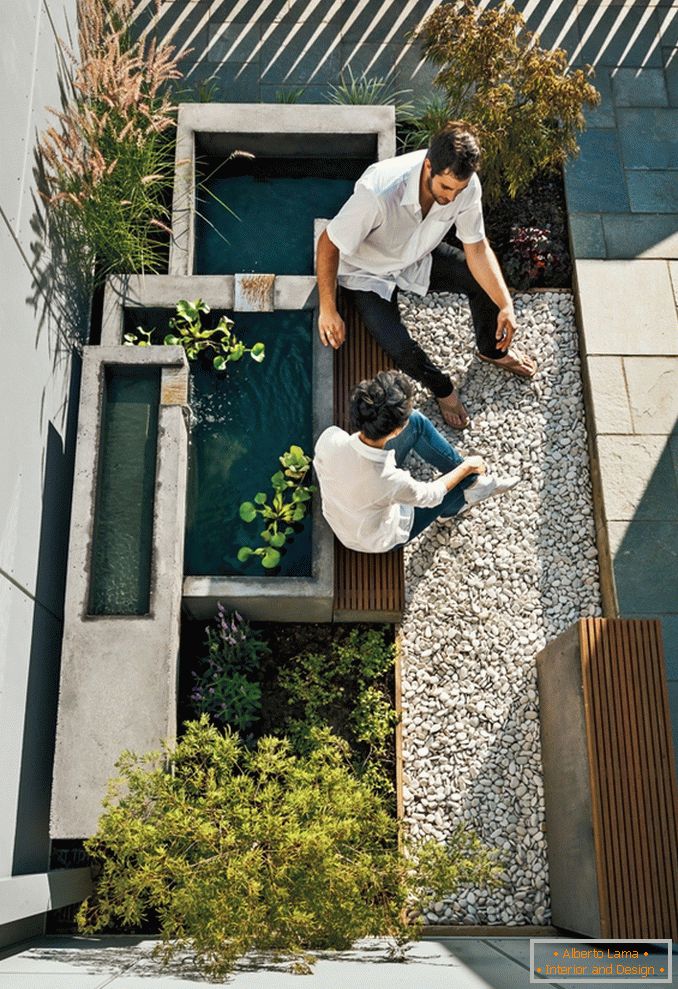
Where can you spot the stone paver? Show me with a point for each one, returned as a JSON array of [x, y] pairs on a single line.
[[640, 235], [653, 393], [639, 87], [645, 561], [627, 307], [653, 191], [595, 180], [638, 478], [446, 963], [609, 396]]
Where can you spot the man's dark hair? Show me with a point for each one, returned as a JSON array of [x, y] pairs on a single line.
[[456, 148], [381, 405]]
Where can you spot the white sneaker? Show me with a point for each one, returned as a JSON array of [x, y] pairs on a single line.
[[486, 486]]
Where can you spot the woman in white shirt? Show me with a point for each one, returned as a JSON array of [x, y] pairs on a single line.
[[369, 501]]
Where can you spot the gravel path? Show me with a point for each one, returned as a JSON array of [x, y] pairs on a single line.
[[484, 595]]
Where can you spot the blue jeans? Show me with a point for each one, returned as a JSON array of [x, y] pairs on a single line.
[[422, 436]]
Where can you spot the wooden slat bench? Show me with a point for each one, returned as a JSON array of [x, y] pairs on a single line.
[[610, 780], [368, 587]]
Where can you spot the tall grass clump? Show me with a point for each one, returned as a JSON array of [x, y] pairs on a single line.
[[368, 90], [109, 159]]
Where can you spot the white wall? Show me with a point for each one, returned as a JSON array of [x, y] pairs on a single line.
[[38, 385]]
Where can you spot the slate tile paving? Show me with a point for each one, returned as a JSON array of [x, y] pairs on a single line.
[[648, 136], [645, 566], [653, 192], [641, 235], [595, 180], [639, 87], [587, 235]]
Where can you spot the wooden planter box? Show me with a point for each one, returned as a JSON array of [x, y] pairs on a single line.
[[609, 780]]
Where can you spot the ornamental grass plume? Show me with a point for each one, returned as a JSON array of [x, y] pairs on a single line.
[[108, 160]]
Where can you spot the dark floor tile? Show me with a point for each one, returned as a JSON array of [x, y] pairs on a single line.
[[603, 114], [251, 11], [309, 55], [381, 23], [647, 137], [370, 60], [594, 182], [186, 26], [639, 87], [653, 192], [671, 74], [618, 35], [413, 72], [645, 567], [305, 94], [556, 25], [670, 635], [236, 82], [633, 235], [234, 41], [586, 235]]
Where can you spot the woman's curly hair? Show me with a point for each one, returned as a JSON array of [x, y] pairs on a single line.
[[381, 405]]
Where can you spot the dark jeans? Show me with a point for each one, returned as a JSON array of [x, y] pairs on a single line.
[[422, 436], [449, 273]]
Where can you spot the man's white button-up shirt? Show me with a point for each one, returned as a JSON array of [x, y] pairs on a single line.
[[368, 501], [382, 238]]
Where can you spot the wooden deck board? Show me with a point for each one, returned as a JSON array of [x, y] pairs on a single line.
[[631, 760], [368, 586]]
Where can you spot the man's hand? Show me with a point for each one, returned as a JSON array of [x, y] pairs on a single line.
[[506, 327], [331, 328]]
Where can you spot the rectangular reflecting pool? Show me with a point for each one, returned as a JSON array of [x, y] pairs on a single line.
[[241, 422], [275, 201], [120, 580]]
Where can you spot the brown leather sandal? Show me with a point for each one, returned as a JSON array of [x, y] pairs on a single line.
[[515, 366]]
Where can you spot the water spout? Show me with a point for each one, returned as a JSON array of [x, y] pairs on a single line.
[[254, 293]]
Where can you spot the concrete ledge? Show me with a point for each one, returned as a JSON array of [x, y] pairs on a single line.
[[164, 291], [118, 672], [302, 129], [27, 896]]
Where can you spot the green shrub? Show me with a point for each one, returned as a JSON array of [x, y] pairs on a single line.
[[234, 850], [525, 105], [227, 687], [345, 687]]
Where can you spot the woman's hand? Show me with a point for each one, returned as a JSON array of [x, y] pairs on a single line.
[[475, 465]]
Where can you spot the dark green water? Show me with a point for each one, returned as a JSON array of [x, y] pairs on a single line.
[[120, 580], [275, 201], [244, 420]]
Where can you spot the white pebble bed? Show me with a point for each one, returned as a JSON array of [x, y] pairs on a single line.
[[487, 592]]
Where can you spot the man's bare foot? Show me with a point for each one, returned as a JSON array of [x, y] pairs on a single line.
[[454, 413], [519, 364]]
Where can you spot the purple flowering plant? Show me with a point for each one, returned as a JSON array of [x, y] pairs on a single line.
[[227, 688]]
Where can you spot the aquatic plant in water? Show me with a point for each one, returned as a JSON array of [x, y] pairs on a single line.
[[188, 332], [286, 509]]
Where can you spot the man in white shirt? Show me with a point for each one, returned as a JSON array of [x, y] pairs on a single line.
[[388, 236], [371, 503]]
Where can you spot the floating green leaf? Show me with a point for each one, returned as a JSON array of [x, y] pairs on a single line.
[[247, 511]]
